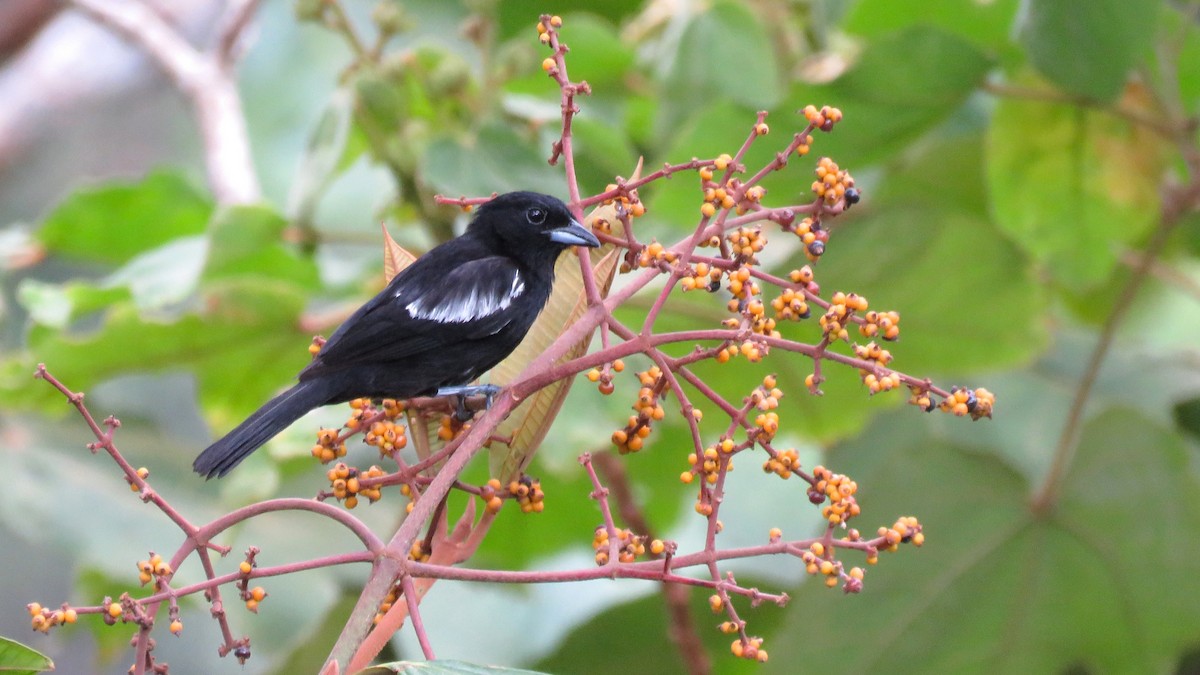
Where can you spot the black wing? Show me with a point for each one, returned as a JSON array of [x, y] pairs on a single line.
[[440, 299]]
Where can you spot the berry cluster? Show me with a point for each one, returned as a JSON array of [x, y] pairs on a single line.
[[451, 427], [906, 529], [745, 243], [881, 357], [813, 236], [604, 376], [819, 560], [839, 490], [749, 648], [388, 436], [252, 597], [528, 493], [629, 545], [841, 308], [346, 484], [42, 619], [702, 275], [708, 464], [833, 184], [142, 473], [329, 446], [822, 119], [962, 401], [154, 567], [648, 409], [654, 255], [782, 463]]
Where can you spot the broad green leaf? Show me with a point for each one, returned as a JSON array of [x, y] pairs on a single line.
[[1087, 47], [642, 628], [496, 160], [987, 24], [718, 128], [966, 296], [157, 281], [518, 21], [597, 53], [18, 659], [243, 345], [56, 305], [1072, 186], [329, 151], [601, 153], [113, 222], [902, 85], [1033, 403], [380, 104], [1092, 583], [246, 242], [725, 55]]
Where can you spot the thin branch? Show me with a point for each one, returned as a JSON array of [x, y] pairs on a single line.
[[206, 79]]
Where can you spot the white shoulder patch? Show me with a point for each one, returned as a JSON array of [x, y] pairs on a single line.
[[460, 305]]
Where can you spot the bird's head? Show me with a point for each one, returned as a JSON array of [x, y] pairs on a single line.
[[531, 227]]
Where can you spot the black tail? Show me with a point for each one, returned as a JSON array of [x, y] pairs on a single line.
[[220, 457]]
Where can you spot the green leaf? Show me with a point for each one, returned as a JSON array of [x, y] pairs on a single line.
[[1087, 47], [902, 85], [247, 242], [243, 346], [1187, 416], [601, 152], [156, 281], [112, 223], [1072, 186], [966, 295], [642, 627], [725, 55], [18, 659], [994, 578], [329, 152], [597, 53], [496, 160], [987, 24]]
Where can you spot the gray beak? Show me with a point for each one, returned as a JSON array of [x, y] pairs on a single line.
[[573, 234]]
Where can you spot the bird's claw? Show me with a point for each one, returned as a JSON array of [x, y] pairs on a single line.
[[463, 391]]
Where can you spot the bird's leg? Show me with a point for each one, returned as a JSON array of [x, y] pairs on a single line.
[[463, 391]]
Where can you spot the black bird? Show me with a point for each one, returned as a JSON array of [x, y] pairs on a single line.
[[444, 320]]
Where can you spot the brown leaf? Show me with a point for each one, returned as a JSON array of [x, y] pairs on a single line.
[[528, 424], [395, 257]]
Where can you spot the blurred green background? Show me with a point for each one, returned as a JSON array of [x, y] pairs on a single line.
[[1015, 159]]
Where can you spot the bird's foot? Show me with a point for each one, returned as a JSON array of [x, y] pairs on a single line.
[[464, 391]]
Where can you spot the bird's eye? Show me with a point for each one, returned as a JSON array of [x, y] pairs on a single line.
[[536, 216]]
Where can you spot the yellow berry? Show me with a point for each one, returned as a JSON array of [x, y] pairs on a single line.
[[114, 609], [715, 603], [548, 64]]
